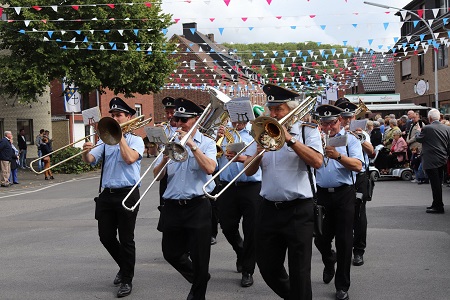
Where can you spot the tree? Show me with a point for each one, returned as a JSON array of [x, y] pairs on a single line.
[[91, 43]]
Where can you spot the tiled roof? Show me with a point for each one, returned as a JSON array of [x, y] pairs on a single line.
[[372, 67]]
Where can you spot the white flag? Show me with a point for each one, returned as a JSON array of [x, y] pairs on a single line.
[[72, 99]]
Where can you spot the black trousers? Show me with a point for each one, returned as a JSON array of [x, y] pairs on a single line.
[[112, 219], [360, 222], [162, 189], [186, 241], [338, 223], [436, 177], [235, 203], [290, 229]]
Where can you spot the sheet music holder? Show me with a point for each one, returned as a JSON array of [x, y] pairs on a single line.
[[240, 110], [156, 134]]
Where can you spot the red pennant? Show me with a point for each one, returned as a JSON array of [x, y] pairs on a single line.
[[148, 4], [1, 11], [312, 16], [420, 12], [111, 6], [227, 2], [176, 20], [244, 19], [212, 19], [44, 21], [278, 17], [37, 7], [269, 1], [76, 7]]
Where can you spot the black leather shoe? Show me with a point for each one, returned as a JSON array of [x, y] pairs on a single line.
[[341, 295], [238, 266], [358, 260], [213, 240], [429, 207], [424, 182], [328, 274], [124, 290], [118, 279], [435, 211], [247, 279]]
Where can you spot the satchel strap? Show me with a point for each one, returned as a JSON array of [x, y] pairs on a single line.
[[311, 181]]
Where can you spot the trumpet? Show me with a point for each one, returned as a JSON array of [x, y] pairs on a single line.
[[271, 128], [108, 130], [177, 151]]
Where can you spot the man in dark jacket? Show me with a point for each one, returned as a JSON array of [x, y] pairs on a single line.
[[435, 139], [375, 135], [6, 152]]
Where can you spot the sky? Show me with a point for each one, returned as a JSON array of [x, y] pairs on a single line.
[[342, 22]]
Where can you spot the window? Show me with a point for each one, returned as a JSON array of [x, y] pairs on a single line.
[[421, 64], [406, 69], [442, 57], [384, 78], [27, 125], [138, 108]]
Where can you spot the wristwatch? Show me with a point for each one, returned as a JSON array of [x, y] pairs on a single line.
[[193, 149], [291, 142], [339, 157]]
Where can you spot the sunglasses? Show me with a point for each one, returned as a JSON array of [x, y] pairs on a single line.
[[325, 124], [182, 119]]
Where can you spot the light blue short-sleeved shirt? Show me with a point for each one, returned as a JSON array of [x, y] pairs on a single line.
[[234, 168], [116, 172], [284, 173], [186, 179], [334, 174]]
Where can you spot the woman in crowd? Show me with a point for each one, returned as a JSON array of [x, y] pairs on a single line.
[[398, 148]]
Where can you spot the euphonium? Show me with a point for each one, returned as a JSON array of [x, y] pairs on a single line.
[[361, 110]]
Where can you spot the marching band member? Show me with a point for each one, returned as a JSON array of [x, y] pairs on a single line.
[[285, 222], [121, 171], [186, 241], [170, 129], [361, 183], [335, 191], [241, 199]]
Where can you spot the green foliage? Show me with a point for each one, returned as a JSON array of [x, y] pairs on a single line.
[[32, 56], [73, 166]]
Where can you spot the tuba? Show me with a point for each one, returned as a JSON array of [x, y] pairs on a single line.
[[361, 110]]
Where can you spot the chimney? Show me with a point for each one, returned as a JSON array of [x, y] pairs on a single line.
[[211, 37], [188, 28]]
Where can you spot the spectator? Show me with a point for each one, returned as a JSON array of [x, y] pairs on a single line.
[[398, 149], [38, 142], [6, 153], [45, 148], [435, 139], [14, 164], [22, 143], [369, 126], [414, 130], [375, 135], [381, 121], [415, 163], [389, 135], [50, 141]]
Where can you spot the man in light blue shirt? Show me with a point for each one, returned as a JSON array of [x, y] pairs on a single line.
[[285, 223], [336, 191], [240, 200], [121, 171], [186, 242]]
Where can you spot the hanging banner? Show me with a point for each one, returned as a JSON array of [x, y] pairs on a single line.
[[72, 99]]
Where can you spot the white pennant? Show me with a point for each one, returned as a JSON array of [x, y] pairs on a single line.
[[17, 9], [436, 35], [408, 38], [120, 32], [73, 40], [55, 8], [45, 39], [27, 22], [126, 46], [102, 47], [435, 12], [63, 32], [430, 21]]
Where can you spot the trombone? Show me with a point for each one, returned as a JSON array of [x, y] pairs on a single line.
[[109, 131], [177, 151], [269, 134]]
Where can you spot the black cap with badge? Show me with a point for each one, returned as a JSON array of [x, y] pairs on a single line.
[[117, 104], [186, 108], [168, 102], [328, 112], [348, 108], [277, 95]]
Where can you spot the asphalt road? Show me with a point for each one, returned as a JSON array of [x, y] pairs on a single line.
[[49, 248]]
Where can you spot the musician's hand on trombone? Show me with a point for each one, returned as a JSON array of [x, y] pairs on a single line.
[[220, 132], [231, 155]]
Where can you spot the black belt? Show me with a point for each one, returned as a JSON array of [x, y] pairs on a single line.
[[240, 183], [334, 189], [118, 190], [183, 202], [284, 204]]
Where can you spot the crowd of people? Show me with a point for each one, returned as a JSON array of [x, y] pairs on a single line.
[[13, 158]]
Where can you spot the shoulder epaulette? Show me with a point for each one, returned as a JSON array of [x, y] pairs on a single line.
[[308, 124]]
